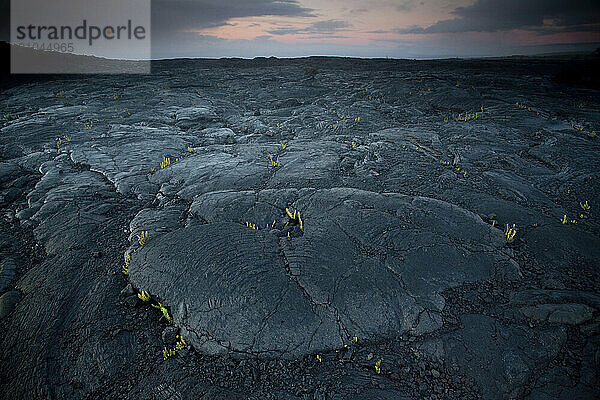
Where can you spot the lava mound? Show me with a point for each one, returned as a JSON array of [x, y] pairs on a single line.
[[364, 264]]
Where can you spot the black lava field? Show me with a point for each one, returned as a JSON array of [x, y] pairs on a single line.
[[317, 228]]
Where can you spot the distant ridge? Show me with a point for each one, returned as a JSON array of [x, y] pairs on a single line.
[[573, 68]]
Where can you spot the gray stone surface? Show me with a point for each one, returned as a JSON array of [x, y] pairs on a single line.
[[403, 203], [8, 270], [8, 302], [366, 264]]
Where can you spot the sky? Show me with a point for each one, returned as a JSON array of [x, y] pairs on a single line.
[[377, 28], [368, 28]]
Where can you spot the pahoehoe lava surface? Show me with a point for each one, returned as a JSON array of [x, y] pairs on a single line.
[[367, 265], [404, 176]]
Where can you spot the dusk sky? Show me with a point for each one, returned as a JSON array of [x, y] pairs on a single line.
[[377, 28]]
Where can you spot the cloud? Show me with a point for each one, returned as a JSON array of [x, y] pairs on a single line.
[[171, 16], [494, 15], [327, 27], [407, 5]]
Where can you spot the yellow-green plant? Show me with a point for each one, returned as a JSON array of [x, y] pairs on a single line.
[[88, 125], [143, 295], [576, 127], [378, 366], [510, 232], [142, 237], [289, 213], [164, 311], [10, 117], [252, 226], [563, 220], [125, 267], [585, 206], [353, 339], [168, 353], [283, 146], [274, 162], [592, 134], [354, 144], [190, 150], [319, 359], [59, 141], [166, 161], [295, 216], [181, 344]]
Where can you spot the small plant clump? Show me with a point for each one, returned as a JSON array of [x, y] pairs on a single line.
[[181, 344], [168, 353], [142, 237], [319, 359], [143, 295], [166, 161], [165, 312], [585, 206], [59, 141], [274, 161], [467, 116], [295, 217], [125, 266], [510, 232], [378, 366], [10, 117]]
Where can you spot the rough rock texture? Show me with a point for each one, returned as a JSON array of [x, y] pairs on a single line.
[[398, 284], [365, 264]]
